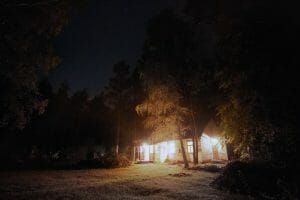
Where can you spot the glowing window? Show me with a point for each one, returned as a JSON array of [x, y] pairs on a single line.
[[151, 149], [190, 146], [172, 147], [146, 152], [157, 148], [163, 151], [214, 141]]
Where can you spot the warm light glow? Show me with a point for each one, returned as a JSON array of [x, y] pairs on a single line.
[[146, 150], [166, 150], [172, 147], [211, 148], [190, 147], [206, 144], [151, 149], [163, 154], [214, 141]]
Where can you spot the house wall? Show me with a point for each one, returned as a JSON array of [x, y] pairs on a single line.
[[206, 153], [209, 149], [222, 152], [169, 150]]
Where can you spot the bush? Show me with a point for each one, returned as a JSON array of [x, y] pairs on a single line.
[[123, 161], [106, 161], [261, 179], [208, 168]]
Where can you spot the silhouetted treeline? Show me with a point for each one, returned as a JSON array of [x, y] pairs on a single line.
[[77, 120], [70, 121], [27, 32]]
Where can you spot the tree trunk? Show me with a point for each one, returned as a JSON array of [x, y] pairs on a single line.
[[186, 163], [133, 134], [195, 141], [195, 150], [196, 161], [118, 134], [133, 153]]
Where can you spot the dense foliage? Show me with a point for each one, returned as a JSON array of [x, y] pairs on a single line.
[[260, 179], [178, 83], [256, 74], [27, 31]]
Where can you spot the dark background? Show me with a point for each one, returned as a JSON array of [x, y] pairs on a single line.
[[100, 35]]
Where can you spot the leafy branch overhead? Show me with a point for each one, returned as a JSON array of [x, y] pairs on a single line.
[[163, 113]]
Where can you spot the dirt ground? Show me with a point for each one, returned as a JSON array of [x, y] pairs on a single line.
[[140, 181]]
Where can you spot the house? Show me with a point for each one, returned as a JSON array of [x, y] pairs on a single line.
[[210, 147]]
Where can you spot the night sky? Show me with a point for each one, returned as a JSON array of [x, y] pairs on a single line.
[[103, 33]]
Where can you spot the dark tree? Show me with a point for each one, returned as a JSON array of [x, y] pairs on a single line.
[[173, 56], [257, 74], [100, 123], [27, 30], [116, 96]]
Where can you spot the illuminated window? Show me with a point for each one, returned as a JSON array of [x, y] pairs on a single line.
[[190, 146], [146, 152], [156, 148], [151, 149], [172, 147]]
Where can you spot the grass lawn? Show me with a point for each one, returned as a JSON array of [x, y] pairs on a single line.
[[140, 181]]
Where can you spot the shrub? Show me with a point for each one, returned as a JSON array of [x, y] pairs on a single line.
[[106, 161], [123, 160], [261, 179], [208, 168]]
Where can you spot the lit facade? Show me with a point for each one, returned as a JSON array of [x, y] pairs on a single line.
[[210, 147]]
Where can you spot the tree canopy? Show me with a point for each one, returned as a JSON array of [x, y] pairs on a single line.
[[27, 31]]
